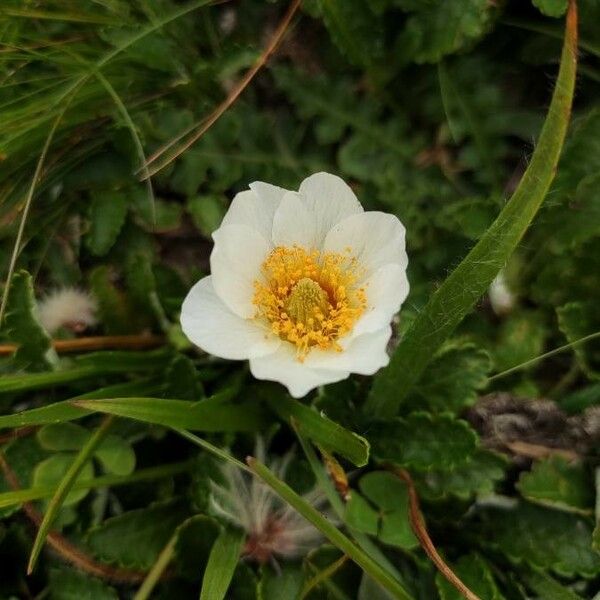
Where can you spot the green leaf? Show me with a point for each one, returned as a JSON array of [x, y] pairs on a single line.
[[390, 495], [558, 483], [70, 584], [424, 441], [477, 476], [355, 29], [113, 307], [552, 8], [360, 515], [452, 380], [107, 212], [542, 538], [195, 539], [182, 379], [330, 531], [50, 472], [577, 320], [35, 351], [58, 437], [321, 430], [206, 415], [438, 28], [207, 212], [286, 585], [135, 538], [461, 290], [548, 588], [475, 573], [160, 217], [221, 564], [78, 466]]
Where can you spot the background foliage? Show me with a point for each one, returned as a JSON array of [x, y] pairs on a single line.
[[430, 109]]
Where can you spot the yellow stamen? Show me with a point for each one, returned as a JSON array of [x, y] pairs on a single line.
[[309, 298]]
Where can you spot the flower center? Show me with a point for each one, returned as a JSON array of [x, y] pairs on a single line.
[[310, 298]]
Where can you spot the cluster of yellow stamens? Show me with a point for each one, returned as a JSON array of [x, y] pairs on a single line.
[[310, 298]]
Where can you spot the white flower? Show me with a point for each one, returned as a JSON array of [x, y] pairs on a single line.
[[71, 308], [303, 284], [273, 528]]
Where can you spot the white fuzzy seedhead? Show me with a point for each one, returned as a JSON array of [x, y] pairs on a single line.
[[68, 308], [274, 529]]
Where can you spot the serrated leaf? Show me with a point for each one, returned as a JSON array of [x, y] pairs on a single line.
[[558, 483], [135, 538], [424, 441], [438, 28], [182, 379], [107, 212], [285, 585], [159, 217], [452, 380], [477, 476], [577, 320], [69, 584], [475, 573], [542, 538], [460, 291], [548, 588], [34, 350]]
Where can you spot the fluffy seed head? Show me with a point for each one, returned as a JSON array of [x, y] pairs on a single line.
[[70, 308], [273, 529]]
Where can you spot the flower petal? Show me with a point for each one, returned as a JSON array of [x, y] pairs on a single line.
[[235, 264], [365, 354], [376, 239], [330, 199], [293, 223], [386, 290], [209, 324], [255, 207], [283, 366]]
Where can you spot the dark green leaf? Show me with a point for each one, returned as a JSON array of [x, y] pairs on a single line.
[[107, 213], [70, 584], [221, 564], [475, 573]]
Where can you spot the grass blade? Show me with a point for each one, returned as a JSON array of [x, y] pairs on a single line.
[[207, 415], [221, 564], [465, 285], [330, 531], [63, 488], [323, 431]]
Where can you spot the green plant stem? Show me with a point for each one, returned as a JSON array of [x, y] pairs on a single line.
[[323, 575], [64, 487], [330, 531]]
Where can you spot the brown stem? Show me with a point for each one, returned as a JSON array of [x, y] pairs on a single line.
[[213, 117], [17, 433], [418, 525], [68, 551], [101, 342]]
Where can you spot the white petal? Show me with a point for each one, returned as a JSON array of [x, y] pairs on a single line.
[[376, 239], [254, 209], [365, 354], [284, 367], [386, 290], [235, 265], [209, 324], [330, 199], [293, 223]]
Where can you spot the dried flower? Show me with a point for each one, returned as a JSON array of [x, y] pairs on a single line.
[[70, 308], [304, 285], [274, 529]]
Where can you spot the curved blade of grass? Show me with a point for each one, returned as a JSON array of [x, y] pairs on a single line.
[[211, 414], [321, 430], [465, 285], [158, 568], [221, 564], [330, 531], [64, 487], [16, 497]]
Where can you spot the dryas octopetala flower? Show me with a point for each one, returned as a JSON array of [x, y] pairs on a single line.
[[303, 284], [70, 308], [273, 529]]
